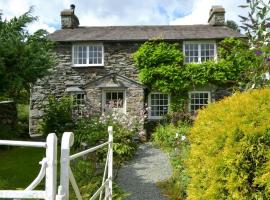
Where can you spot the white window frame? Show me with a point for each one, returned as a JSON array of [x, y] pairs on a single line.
[[194, 92], [87, 55], [150, 106], [199, 42], [104, 107], [78, 107]]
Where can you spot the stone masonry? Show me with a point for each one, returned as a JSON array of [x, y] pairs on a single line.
[[117, 59]]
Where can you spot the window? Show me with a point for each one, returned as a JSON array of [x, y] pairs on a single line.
[[114, 100], [78, 103], [88, 55], [159, 104], [198, 52], [198, 99]]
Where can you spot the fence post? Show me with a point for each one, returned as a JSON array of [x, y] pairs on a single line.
[[66, 143], [51, 168], [108, 191]]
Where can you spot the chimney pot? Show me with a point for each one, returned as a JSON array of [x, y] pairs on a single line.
[[72, 7], [217, 16]]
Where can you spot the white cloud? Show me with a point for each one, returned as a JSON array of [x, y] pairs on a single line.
[[120, 12], [200, 11]]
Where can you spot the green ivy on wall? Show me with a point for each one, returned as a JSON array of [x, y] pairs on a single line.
[[162, 68]]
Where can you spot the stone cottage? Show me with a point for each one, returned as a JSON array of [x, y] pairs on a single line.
[[96, 65]]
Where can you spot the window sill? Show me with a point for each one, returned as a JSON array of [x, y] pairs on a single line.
[[89, 66], [155, 118]]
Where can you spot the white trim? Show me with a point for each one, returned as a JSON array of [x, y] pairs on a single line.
[[103, 100], [150, 105], [199, 42], [87, 55], [198, 91]]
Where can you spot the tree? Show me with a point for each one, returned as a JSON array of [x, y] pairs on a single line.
[[257, 27], [23, 57], [233, 25]]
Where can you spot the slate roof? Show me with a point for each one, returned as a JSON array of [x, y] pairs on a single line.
[[142, 33]]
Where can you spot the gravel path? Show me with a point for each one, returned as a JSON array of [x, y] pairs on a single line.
[[139, 176]]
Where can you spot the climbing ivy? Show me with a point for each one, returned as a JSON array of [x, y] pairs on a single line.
[[161, 67]]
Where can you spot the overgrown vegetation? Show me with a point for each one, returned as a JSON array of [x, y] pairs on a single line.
[[172, 139], [161, 68], [58, 116], [230, 148], [89, 132]]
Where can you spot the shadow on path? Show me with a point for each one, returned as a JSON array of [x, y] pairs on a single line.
[[139, 176]]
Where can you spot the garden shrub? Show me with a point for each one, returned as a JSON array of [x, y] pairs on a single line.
[[92, 131], [230, 149], [58, 116]]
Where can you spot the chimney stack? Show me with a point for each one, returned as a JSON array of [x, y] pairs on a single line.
[[217, 16], [69, 19]]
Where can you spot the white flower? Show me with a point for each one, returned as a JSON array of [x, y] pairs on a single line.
[[183, 137]]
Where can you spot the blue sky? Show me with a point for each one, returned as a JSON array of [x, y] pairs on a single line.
[[120, 12]]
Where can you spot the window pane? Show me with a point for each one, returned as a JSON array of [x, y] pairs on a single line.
[[159, 104], [198, 100]]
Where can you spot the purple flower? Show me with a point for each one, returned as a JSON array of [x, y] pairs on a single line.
[[268, 59], [258, 53]]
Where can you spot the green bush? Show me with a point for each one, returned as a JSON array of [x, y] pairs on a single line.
[[230, 149], [58, 116], [92, 131]]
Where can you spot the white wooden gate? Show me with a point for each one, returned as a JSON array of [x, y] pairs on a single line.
[[48, 170], [66, 174]]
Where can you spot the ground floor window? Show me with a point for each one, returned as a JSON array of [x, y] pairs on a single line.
[[158, 105], [198, 99], [113, 100], [78, 103]]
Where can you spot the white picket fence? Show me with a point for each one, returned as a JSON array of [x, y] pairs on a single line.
[[49, 170]]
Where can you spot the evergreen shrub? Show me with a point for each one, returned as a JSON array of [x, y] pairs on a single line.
[[230, 149]]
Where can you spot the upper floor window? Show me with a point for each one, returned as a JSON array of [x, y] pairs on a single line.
[[88, 55], [159, 105], [198, 52], [198, 99]]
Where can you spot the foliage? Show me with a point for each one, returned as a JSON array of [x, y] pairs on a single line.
[[239, 60], [230, 148], [93, 130], [172, 139], [256, 24], [23, 123], [57, 117], [161, 68], [159, 63], [23, 57], [233, 25], [257, 27]]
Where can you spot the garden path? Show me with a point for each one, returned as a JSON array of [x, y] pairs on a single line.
[[139, 176]]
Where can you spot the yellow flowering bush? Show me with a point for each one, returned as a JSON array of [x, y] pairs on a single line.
[[230, 149]]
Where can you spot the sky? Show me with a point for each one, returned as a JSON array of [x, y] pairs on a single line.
[[121, 12]]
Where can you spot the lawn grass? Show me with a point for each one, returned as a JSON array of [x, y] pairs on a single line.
[[19, 166]]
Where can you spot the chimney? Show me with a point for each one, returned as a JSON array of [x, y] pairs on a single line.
[[69, 19], [217, 16]]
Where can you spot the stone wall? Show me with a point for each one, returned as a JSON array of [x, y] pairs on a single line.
[[117, 59]]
